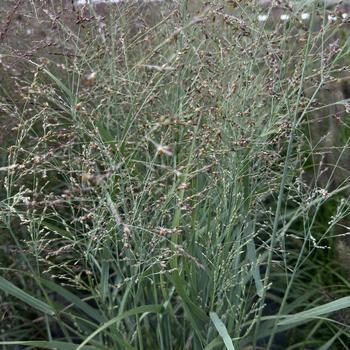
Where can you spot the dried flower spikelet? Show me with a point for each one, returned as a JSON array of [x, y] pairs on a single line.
[[324, 193], [183, 186], [126, 230], [86, 177], [44, 61], [164, 150], [233, 89], [233, 3], [163, 231], [347, 107], [92, 179], [91, 78]]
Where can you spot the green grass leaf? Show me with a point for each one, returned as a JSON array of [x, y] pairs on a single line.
[[220, 327], [105, 134], [59, 345], [316, 312], [35, 303], [135, 311], [196, 316], [251, 255], [330, 342], [104, 279], [75, 300], [214, 343]]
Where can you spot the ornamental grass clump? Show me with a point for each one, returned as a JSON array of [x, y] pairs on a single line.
[[157, 190]]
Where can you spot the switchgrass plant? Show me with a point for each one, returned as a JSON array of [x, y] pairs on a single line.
[[154, 195]]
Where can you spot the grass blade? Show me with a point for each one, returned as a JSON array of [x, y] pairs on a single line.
[[104, 279], [317, 311], [251, 254], [214, 343], [135, 311], [194, 313], [59, 345], [330, 342], [76, 301], [220, 327], [35, 303]]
